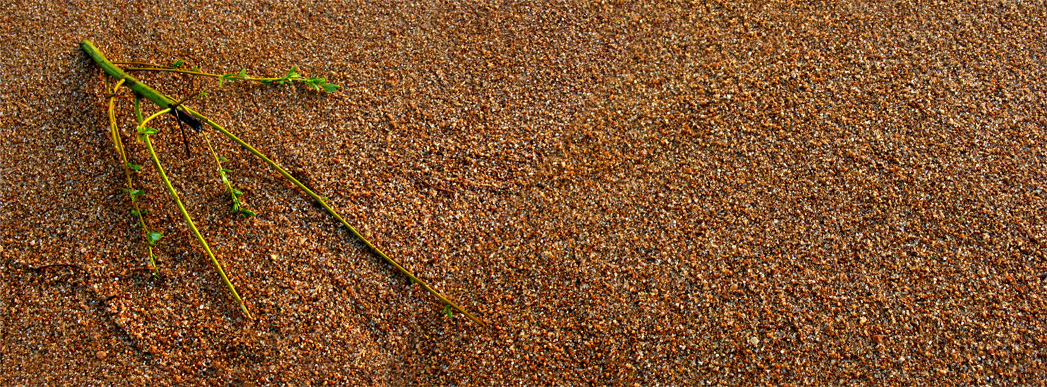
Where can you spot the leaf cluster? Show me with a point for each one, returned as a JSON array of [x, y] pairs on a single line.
[[144, 131], [317, 83], [134, 193], [238, 207]]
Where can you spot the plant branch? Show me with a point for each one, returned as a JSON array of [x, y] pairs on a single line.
[[320, 84], [233, 192], [166, 102], [118, 143], [334, 213], [185, 214], [173, 70]]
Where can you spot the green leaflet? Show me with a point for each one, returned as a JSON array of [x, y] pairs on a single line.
[[153, 236]]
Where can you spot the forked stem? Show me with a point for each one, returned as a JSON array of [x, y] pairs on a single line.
[[181, 207], [114, 132], [166, 103]]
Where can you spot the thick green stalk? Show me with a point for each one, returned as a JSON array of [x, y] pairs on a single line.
[[165, 102], [129, 81]]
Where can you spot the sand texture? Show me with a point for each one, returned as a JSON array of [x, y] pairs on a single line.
[[656, 193]]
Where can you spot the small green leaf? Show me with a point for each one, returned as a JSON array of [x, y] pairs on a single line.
[[152, 237], [226, 170], [237, 193], [448, 312], [134, 167], [145, 131], [196, 68], [243, 72], [178, 63], [247, 213], [331, 88], [137, 213], [136, 193], [222, 159]]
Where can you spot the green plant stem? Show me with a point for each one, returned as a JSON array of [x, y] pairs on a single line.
[[139, 88], [115, 134], [138, 110], [185, 213], [221, 172], [139, 64], [317, 83], [203, 74], [166, 102]]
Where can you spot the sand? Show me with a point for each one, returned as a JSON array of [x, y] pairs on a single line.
[[664, 193]]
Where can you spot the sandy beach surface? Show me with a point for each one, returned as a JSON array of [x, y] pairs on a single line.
[[628, 193]]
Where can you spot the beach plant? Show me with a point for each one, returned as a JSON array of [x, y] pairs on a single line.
[[151, 237], [291, 77], [199, 122], [238, 205]]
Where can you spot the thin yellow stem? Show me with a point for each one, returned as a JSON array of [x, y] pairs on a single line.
[[185, 214], [115, 134], [334, 213], [171, 70], [225, 180], [145, 64], [203, 74], [157, 114]]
